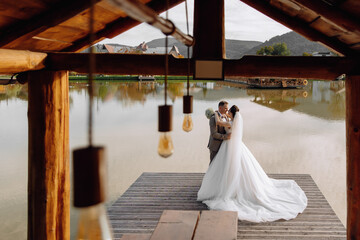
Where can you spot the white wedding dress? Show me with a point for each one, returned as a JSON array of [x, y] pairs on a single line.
[[235, 181]]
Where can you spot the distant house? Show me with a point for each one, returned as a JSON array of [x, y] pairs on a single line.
[[175, 52], [141, 48], [322, 54]]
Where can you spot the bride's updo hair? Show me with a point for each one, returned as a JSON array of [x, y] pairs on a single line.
[[233, 110]]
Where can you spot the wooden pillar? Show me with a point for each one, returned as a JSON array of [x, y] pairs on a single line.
[[209, 29], [49, 179], [352, 84]]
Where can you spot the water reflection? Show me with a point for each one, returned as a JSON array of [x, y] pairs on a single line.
[[281, 128], [323, 99]]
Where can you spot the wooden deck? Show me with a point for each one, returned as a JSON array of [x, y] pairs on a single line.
[[139, 208]]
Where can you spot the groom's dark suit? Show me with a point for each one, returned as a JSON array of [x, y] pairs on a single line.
[[217, 135]]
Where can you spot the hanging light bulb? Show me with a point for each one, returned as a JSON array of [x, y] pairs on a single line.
[[90, 171], [165, 147], [89, 193], [187, 110], [187, 100]]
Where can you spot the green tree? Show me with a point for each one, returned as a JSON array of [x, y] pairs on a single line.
[[277, 49], [306, 54], [267, 50], [280, 49]]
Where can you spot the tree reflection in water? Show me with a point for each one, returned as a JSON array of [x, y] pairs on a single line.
[[323, 99]]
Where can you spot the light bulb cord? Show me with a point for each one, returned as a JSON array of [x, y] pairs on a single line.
[[92, 66], [166, 53], [188, 49]]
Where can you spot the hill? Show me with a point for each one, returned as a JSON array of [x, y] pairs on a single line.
[[234, 48], [296, 43]]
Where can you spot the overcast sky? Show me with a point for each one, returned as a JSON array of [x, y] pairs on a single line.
[[241, 23]]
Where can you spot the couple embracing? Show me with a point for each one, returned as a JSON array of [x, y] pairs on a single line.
[[235, 181]]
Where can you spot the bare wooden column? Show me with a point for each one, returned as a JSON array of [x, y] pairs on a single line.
[[353, 155], [209, 29], [49, 179]]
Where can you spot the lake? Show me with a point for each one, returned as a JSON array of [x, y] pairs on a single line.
[[288, 131]]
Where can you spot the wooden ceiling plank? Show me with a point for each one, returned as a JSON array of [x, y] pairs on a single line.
[[248, 66], [6, 21], [300, 27], [19, 9], [119, 26], [63, 33], [334, 14], [41, 45], [351, 7], [59, 13]]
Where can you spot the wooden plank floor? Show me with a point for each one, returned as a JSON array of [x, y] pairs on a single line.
[[140, 207]]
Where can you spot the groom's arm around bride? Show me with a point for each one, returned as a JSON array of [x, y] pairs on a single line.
[[217, 133]]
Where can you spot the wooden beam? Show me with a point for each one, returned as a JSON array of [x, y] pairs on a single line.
[[352, 86], [13, 61], [300, 27], [248, 66], [353, 156], [293, 66], [119, 26], [209, 18], [332, 13], [48, 177], [60, 12], [108, 63]]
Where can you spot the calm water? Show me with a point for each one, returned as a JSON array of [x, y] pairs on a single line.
[[288, 131]]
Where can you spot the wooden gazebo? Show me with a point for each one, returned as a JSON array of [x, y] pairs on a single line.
[[39, 39]]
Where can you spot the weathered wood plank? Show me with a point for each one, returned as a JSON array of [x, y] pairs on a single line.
[[143, 236], [215, 225], [140, 207], [176, 225]]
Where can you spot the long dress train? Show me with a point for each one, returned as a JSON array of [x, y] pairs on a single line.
[[235, 181]]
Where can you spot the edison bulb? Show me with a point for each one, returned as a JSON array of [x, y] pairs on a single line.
[[166, 147], [187, 123]]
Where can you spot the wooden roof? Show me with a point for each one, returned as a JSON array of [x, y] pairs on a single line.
[[62, 25]]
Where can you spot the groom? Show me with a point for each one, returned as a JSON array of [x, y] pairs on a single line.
[[217, 133]]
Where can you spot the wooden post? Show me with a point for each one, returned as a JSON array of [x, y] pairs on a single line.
[[352, 84], [209, 30], [49, 179]]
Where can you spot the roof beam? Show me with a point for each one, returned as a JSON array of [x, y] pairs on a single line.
[[119, 26], [248, 66], [13, 61], [59, 13], [333, 14], [300, 27]]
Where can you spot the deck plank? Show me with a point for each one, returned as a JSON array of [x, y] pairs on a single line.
[[139, 209]]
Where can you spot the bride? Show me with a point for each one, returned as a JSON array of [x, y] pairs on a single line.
[[235, 181]]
